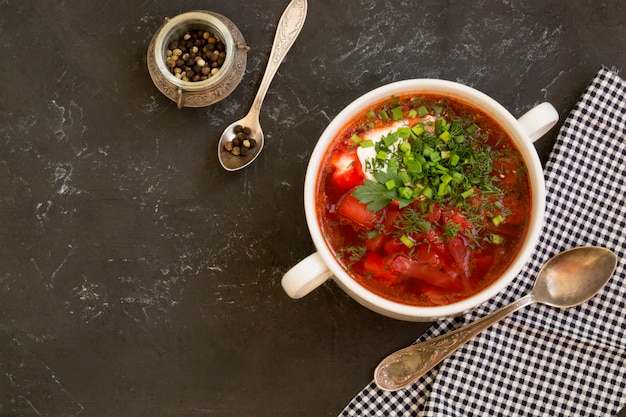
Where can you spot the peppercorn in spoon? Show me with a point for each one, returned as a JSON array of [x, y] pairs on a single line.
[[243, 140]]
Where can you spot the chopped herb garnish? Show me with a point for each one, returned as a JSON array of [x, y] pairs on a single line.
[[413, 221], [408, 242], [497, 220], [447, 161], [418, 129], [467, 193], [356, 138], [495, 239], [374, 194], [353, 253], [451, 229], [397, 113]]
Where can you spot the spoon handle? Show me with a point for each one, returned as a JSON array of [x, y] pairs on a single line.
[[405, 366], [289, 27]]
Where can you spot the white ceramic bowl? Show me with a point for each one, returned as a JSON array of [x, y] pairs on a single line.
[[322, 265]]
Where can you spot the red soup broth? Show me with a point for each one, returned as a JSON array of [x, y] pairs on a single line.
[[423, 199]]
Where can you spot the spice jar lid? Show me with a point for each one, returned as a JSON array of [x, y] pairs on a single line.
[[205, 92]]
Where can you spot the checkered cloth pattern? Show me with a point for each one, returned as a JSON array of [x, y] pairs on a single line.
[[541, 360]]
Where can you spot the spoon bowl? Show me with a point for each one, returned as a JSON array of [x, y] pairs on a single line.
[[289, 27], [566, 280], [573, 276], [232, 162]]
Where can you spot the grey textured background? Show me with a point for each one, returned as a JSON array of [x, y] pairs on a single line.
[[137, 278]]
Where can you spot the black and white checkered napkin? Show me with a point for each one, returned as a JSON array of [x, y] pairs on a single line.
[[541, 360]]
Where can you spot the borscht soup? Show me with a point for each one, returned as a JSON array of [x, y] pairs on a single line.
[[423, 199]]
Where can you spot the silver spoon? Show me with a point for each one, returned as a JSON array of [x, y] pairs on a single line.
[[289, 27], [566, 280]]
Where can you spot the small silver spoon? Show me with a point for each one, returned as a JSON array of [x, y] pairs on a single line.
[[289, 27], [566, 280]]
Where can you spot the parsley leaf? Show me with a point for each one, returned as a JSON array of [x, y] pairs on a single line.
[[374, 194]]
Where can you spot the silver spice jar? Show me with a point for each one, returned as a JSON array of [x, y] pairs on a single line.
[[205, 92]]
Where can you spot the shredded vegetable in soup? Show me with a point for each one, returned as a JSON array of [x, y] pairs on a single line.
[[424, 200]]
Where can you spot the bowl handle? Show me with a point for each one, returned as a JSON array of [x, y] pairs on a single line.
[[537, 121], [305, 276]]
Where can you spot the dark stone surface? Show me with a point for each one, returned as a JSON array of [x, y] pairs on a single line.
[[137, 277]]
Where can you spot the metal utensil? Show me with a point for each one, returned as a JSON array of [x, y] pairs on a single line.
[[566, 280], [289, 27]]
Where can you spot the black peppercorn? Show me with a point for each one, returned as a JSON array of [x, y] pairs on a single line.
[[195, 56], [242, 143]]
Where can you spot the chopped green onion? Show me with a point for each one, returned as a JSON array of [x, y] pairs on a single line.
[[381, 155], [417, 191], [384, 115], [457, 177], [408, 242], [371, 114], [356, 138], [441, 169], [418, 129], [422, 111], [404, 177], [441, 126], [454, 160], [397, 113], [390, 139], [414, 167], [405, 193], [471, 129], [428, 193], [497, 220], [366, 144], [405, 147], [404, 132], [445, 136], [495, 239], [390, 184], [412, 114], [467, 193]]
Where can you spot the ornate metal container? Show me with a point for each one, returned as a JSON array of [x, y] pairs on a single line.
[[213, 89]]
